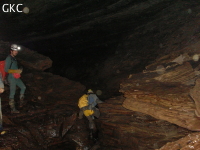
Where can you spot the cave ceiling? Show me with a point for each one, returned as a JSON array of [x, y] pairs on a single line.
[[75, 24]]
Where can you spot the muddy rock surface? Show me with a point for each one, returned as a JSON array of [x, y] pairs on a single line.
[[47, 116]]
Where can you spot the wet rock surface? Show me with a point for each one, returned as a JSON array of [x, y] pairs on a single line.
[[191, 141], [122, 128], [158, 107], [162, 101], [46, 118], [194, 93]]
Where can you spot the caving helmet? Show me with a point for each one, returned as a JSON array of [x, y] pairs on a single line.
[[90, 91], [15, 47]]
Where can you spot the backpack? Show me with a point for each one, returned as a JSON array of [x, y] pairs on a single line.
[[2, 70], [83, 101]]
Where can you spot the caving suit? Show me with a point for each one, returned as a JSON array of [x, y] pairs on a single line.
[[88, 109], [11, 63]]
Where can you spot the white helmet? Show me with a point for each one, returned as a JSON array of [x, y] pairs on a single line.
[[15, 47]]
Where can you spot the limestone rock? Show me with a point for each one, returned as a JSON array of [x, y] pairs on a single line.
[[127, 129], [191, 141], [182, 74], [162, 101], [194, 93]]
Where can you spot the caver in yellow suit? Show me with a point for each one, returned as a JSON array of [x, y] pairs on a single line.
[[87, 104]]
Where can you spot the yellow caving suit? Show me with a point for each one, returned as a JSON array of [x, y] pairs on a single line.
[[84, 109], [83, 105]]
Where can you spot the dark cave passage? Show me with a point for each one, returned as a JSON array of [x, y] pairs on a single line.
[[85, 63], [113, 47]]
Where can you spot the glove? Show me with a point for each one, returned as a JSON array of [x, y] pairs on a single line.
[[15, 71]]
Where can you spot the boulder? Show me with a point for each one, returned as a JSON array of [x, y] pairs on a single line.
[[122, 128], [163, 96], [194, 93], [28, 58]]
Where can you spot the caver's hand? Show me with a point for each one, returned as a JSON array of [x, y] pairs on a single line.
[[15, 71], [1, 90]]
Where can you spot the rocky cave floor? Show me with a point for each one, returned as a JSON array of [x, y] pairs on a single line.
[[151, 112], [39, 125]]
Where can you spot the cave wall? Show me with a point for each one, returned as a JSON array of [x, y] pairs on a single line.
[[66, 30], [172, 29]]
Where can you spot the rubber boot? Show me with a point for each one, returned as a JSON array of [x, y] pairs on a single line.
[[12, 106], [22, 102]]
